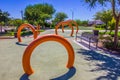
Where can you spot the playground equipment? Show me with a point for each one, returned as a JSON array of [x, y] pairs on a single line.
[[35, 31], [69, 23], [51, 37], [38, 29]]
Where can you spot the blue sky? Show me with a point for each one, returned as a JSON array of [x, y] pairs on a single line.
[[81, 10]]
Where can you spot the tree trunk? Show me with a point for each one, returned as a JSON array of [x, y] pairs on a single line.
[[116, 32], [117, 18], [1, 29]]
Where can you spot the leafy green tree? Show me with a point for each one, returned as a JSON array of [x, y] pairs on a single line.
[[11, 22], [84, 23], [78, 22], [17, 22], [81, 23], [59, 16], [111, 25], [1, 24], [4, 17], [37, 14], [115, 5], [104, 16]]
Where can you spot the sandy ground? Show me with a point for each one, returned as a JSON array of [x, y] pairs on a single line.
[[49, 61]]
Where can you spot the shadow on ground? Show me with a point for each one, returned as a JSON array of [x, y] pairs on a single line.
[[21, 44], [110, 64], [99, 48], [65, 76], [87, 45], [24, 77]]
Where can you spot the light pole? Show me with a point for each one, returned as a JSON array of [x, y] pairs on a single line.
[[72, 14], [22, 15]]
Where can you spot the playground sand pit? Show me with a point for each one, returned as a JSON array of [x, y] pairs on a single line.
[[49, 61]]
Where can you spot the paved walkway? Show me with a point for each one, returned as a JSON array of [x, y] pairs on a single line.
[[49, 61]]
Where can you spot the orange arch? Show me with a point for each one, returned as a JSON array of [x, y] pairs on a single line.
[[23, 26], [69, 23], [27, 54], [38, 29]]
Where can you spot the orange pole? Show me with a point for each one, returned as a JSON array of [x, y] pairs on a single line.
[[72, 30], [56, 28], [27, 54], [38, 28], [63, 28], [73, 22], [23, 26]]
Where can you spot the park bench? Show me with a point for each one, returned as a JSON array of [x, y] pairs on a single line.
[[89, 37]]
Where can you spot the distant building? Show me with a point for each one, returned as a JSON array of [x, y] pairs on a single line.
[[96, 22]]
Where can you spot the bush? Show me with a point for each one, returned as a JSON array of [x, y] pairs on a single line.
[[100, 26], [108, 45], [112, 34], [52, 26], [108, 41], [26, 33]]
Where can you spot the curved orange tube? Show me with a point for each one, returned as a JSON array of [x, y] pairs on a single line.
[[68, 22], [23, 26], [56, 28], [63, 28], [77, 28], [38, 29], [72, 29], [27, 54]]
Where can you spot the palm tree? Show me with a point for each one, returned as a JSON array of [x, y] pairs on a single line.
[[115, 4]]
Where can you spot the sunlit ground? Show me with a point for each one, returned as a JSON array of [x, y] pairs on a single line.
[[49, 61]]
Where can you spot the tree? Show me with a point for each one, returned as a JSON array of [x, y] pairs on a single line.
[[60, 16], [111, 25], [81, 23], [115, 4], [4, 17], [105, 16], [1, 24], [15, 22], [84, 23], [78, 22], [37, 14]]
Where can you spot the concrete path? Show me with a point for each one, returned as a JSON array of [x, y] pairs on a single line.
[[49, 61]]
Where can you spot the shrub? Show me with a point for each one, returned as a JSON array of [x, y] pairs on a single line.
[[100, 26], [107, 41], [26, 33], [108, 45]]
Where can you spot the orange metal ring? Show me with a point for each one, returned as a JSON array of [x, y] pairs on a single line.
[[51, 37], [69, 23], [23, 26]]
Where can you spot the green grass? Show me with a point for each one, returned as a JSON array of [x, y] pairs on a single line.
[[7, 34], [82, 28], [85, 28], [99, 29]]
